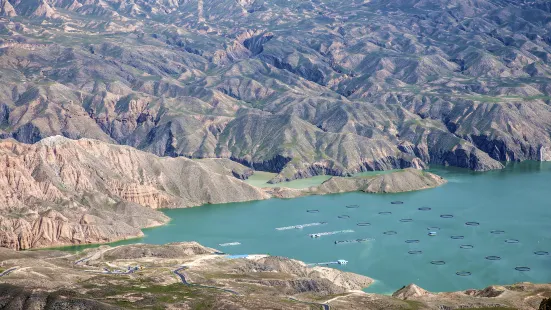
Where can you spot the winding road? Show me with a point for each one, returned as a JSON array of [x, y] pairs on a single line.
[[185, 281], [8, 271]]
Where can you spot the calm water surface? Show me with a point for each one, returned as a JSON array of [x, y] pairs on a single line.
[[515, 200]]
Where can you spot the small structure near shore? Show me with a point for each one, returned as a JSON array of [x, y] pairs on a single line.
[[338, 262]]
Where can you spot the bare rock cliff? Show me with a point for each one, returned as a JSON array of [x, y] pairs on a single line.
[[60, 191]]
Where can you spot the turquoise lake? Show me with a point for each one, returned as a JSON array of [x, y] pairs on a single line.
[[513, 204]]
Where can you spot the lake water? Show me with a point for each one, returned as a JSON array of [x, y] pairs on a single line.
[[512, 205]]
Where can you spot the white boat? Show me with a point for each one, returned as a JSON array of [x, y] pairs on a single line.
[[317, 235], [229, 244]]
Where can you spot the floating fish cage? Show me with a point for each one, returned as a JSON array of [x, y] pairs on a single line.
[[438, 262], [522, 268], [353, 241]]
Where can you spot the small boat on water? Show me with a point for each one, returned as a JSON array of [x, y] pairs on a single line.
[[229, 244], [432, 233], [317, 235]]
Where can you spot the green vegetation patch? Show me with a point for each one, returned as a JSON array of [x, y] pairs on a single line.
[[141, 293]]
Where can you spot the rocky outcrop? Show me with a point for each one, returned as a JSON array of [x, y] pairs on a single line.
[[60, 191], [403, 181], [490, 291], [545, 304], [301, 278], [6, 9], [16, 297], [51, 228], [495, 296], [57, 168], [410, 291]]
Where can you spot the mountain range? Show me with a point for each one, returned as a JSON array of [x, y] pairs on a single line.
[[300, 88]]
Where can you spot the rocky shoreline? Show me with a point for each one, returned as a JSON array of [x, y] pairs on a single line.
[[69, 192]]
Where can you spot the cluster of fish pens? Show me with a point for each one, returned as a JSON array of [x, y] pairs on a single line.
[[432, 231]]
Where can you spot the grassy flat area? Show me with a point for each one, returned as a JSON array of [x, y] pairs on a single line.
[[261, 178]]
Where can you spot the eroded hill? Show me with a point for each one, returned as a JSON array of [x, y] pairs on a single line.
[[296, 87], [191, 276]]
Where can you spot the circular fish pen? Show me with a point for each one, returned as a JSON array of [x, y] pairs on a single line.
[[415, 252], [406, 220], [472, 224], [457, 237], [466, 246], [446, 216], [313, 211], [463, 273], [492, 257], [390, 232], [352, 206], [412, 241], [397, 202], [344, 216], [541, 253], [497, 232], [424, 209], [438, 262], [364, 224], [522, 268], [512, 241], [433, 228], [385, 213]]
